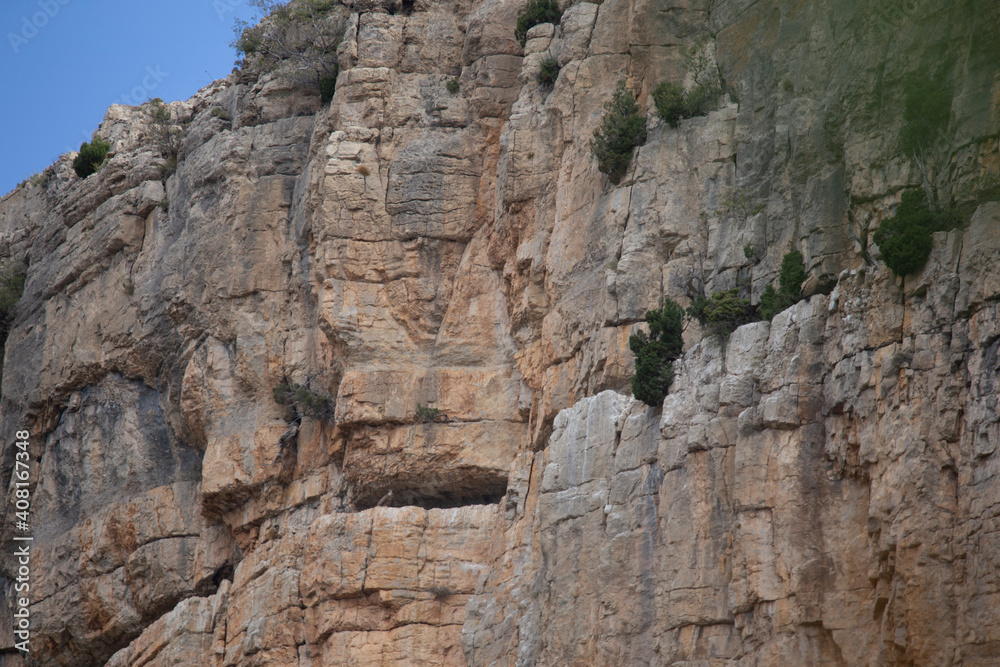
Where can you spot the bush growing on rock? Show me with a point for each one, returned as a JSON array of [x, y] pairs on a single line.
[[905, 239], [669, 100], [793, 274], [304, 400], [548, 73], [297, 39], [91, 157], [655, 353], [535, 13], [222, 114], [426, 413], [622, 129], [723, 312], [674, 104], [452, 86]]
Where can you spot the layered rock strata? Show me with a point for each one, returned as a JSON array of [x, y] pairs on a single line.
[[455, 281]]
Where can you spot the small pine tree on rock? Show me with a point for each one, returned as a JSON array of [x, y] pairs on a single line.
[[793, 274], [905, 239], [622, 128], [91, 157], [656, 351], [535, 13]]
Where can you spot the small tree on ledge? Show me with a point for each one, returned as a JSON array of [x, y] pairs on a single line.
[[655, 353], [622, 128]]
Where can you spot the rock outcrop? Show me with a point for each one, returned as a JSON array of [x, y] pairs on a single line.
[[454, 282]]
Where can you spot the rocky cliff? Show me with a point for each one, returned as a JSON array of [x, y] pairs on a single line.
[[818, 489]]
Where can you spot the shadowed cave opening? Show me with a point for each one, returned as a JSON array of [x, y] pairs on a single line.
[[479, 487]]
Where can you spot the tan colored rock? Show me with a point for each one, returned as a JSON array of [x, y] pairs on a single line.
[[817, 490]]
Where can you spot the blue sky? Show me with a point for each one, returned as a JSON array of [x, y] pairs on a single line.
[[63, 62]]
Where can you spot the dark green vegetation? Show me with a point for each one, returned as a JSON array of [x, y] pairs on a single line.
[[452, 86], [534, 13], [674, 104], [622, 128], [296, 39], [655, 353], [549, 72], [304, 400], [793, 274], [91, 157], [723, 312], [905, 239]]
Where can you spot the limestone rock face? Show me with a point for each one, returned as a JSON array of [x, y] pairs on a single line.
[[350, 386]]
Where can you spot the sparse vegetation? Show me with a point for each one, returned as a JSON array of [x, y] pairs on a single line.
[[673, 103], [926, 113], [452, 86], [304, 400], [221, 113], [297, 39], [91, 157], [926, 110], [669, 100], [723, 312], [426, 413], [164, 136], [39, 180], [905, 239], [548, 73], [169, 167], [535, 13], [656, 351], [622, 129], [793, 274]]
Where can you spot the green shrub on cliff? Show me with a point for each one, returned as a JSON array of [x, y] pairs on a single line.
[[723, 312], [793, 274], [91, 157], [622, 128], [655, 353], [535, 13], [304, 400], [905, 239], [548, 73], [673, 103], [669, 100]]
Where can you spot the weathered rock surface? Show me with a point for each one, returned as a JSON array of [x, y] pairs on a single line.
[[453, 282]]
